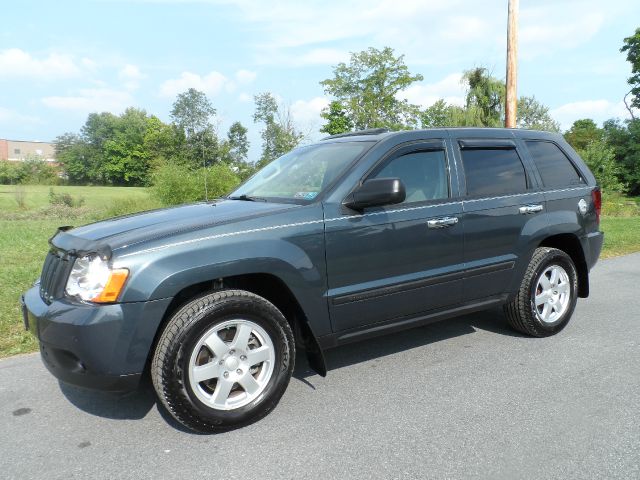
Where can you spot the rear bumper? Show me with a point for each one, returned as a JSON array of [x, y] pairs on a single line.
[[103, 347], [592, 246]]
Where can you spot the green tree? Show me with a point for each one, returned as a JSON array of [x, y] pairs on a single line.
[[535, 116], [337, 119], [632, 47], [582, 133], [436, 115], [366, 91], [279, 134], [126, 161], [238, 142], [442, 114], [163, 142], [624, 139], [192, 113], [485, 98], [600, 158]]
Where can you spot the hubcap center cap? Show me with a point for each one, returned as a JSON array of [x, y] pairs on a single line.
[[231, 363]]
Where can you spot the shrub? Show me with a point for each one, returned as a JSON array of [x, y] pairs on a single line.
[[35, 171], [175, 184], [10, 172], [65, 199], [126, 206]]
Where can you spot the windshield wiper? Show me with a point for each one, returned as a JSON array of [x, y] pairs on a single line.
[[248, 198]]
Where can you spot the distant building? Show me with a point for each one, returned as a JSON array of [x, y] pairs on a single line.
[[18, 150]]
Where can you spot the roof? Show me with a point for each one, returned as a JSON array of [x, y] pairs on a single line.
[[377, 134]]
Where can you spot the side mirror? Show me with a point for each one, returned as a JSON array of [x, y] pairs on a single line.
[[376, 192]]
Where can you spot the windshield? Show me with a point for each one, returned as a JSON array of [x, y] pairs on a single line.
[[302, 174]]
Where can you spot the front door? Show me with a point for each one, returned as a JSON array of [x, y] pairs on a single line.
[[392, 263]]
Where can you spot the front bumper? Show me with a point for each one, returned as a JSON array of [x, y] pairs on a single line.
[[103, 347]]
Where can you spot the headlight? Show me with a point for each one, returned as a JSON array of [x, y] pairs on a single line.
[[92, 280]]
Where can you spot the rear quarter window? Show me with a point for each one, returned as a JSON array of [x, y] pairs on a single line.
[[493, 172], [555, 168]]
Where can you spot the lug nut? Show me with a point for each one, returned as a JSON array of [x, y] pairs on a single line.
[[239, 371], [225, 374], [232, 352], [243, 357], [220, 362]]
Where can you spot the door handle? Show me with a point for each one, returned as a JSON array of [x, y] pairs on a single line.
[[525, 210], [442, 222]]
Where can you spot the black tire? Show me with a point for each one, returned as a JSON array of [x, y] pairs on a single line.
[[172, 356], [521, 311]]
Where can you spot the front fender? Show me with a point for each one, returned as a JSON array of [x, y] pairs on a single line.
[[296, 258]]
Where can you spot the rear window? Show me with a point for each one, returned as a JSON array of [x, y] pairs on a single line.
[[493, 172], [556, 170]]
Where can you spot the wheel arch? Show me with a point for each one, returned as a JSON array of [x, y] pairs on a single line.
[[570, 244], [268, 286]]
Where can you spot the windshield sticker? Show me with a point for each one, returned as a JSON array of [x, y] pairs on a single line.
[[306, 195]]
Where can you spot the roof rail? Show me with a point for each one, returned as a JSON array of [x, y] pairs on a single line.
[[368, 131]]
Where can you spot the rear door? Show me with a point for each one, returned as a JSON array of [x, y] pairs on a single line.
[[562, 182], [502, 207], [394, 262]]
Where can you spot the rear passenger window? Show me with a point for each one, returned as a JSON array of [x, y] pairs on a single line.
[[424, 175], [493, 172], [555, 168]]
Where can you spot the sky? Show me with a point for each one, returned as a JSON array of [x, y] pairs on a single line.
[[61, 60]]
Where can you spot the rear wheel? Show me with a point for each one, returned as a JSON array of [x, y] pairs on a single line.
[[224, 360], [547, 296]]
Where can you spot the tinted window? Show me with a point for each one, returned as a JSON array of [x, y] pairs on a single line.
[[424, 175], [555, 168], [493, 172]]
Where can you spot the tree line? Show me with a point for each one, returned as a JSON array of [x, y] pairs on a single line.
[[137, 148]]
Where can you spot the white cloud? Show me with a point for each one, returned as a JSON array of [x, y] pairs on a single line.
[[306, 113], [598, 110], [211, 84], [244, 97], [450, 88], [541, 31], [428, 32], [245, 77], [15, 62], [8, 116], [92, 100], [131, 76], [322, 56]]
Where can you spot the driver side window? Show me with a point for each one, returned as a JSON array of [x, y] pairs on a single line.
[[423, 173]]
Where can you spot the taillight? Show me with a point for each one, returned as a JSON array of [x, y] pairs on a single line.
[[596, 195]]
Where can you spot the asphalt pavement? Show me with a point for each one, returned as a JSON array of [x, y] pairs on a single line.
[[464, 398]]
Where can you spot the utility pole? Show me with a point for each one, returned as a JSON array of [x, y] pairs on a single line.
[[511, 107]]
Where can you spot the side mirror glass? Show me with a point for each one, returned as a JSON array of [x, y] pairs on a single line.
[[376, 192]]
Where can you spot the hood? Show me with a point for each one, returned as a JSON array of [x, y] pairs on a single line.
[[146, 226]]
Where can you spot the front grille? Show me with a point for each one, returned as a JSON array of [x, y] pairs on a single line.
[[53, 279]]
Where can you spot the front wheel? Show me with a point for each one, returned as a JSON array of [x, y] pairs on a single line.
[[547, 296], [223, 361]]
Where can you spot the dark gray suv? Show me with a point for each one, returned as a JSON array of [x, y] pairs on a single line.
[[355, 236]]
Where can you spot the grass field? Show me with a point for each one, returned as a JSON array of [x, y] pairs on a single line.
[[24, 233], [37, 196]]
